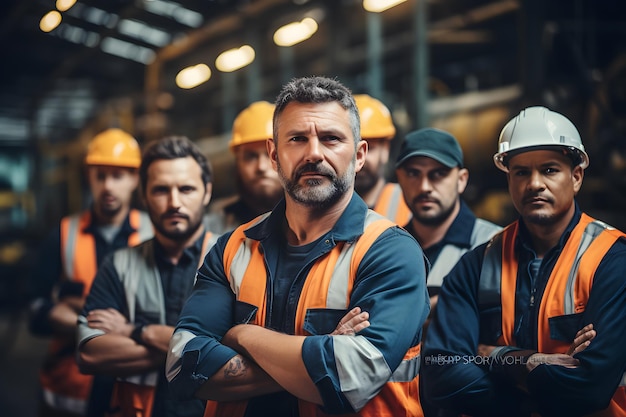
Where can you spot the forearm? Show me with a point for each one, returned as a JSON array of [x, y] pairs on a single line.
[[117, 355], [157, 336], [239, 379], [63, 317], [279, 355]]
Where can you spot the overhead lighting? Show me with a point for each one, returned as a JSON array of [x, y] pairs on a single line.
[[193, 76], [50, 21], [233, 59], [174, 11], [64, 5], [295, 32], [77, 35], [139, 30], [378, 6], [127, 50]]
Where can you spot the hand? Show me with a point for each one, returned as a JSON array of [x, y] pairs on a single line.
[[353, 322], [582, 340], [560, 359], [109, 321], [484, 350]]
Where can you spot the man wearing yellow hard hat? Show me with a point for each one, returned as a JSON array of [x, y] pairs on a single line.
[[70, 258], [258, 186], [378, 130]]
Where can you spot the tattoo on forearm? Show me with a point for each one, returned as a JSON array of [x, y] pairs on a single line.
[[237, 367]]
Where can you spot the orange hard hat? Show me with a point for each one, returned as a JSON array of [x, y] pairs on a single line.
[[375, 117], [113, 147], [253, 124]]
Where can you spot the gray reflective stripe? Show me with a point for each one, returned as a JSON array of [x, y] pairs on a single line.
[[450, 254], [145, 229], [174, 360], [491, 273], [70, 244], [361, 367], [394, 201], [592, 231], [138, 272], [241, 260], [149, 379], [63, 403], [622, 383], [407, 371]]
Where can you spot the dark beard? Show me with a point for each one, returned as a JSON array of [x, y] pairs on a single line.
[[438, 220]]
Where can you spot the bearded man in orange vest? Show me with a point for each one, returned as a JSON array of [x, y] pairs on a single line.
[[70, 258], [378, 130], [256, 335], [533, 322]]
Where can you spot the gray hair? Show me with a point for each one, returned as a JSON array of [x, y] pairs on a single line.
[[318, 90]]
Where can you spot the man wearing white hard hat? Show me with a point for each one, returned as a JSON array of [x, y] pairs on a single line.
[[533, 322]]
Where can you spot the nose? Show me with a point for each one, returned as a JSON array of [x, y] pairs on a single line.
[[314, 152], [425, 184], [535, 181], [174, 199], [264, 163]]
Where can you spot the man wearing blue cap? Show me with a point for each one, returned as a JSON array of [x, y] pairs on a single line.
[[432, 177]]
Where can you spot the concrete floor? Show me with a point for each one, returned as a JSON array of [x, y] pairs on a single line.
[[21, 355]]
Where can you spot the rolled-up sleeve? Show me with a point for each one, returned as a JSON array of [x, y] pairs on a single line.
[[391, 286]]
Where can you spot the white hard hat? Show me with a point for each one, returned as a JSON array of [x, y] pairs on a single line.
[[539, 128]]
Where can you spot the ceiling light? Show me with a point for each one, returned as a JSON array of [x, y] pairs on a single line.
[[64, 5], [193, 76], [233, 59], [50, 21], [174, 11], [139, 30], [378, 6], [295, 32], [127, 50]]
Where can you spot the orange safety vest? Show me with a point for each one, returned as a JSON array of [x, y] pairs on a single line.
[[566, 292], [245, 268], [391, 204], [64, 387]]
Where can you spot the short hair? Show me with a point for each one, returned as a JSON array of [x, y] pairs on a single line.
[[173, 147], [318, 90]]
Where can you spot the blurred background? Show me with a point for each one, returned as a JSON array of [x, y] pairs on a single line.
[[155, 67]]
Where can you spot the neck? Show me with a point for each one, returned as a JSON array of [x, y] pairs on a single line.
[[174, 248], [371, 196], [545, 237], [115, 220], [431, 234], [306, 224]]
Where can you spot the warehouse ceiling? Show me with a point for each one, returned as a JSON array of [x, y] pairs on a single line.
[[103, 48], [100, 50]]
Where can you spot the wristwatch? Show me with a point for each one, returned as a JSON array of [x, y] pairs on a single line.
[[137, 333]]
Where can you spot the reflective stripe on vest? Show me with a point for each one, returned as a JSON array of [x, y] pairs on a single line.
[[328, 285], [391, 204], [65, 387], [450, 254], [138, 272], [567, 290], [78, 249]]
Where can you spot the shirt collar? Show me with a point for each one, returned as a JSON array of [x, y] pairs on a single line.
[[348, 228], [92, 227], [190, 253]]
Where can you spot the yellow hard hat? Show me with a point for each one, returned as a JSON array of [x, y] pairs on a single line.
[[253, 124], [375, 117], [113, 147]]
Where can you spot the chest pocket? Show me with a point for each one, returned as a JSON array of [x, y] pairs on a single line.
[[319, 321]]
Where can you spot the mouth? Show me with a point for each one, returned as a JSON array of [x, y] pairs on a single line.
[[535, 200]]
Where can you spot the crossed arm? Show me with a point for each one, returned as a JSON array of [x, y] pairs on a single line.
[[260, 368]]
